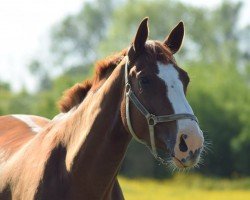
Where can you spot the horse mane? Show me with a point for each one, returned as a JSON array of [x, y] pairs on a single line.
[[103, 68], [76, 94]]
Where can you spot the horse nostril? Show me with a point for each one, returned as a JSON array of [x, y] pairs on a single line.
[[184, 136], [183, 146]]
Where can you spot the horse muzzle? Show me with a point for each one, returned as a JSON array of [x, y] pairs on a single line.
[[188, 147]]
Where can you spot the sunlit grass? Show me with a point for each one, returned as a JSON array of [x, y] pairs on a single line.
[[186, 187]]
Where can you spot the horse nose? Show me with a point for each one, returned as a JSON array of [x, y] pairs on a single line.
[[188, 147], [190, 142]]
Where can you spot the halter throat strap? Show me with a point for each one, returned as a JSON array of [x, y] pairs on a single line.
[[152, 120]]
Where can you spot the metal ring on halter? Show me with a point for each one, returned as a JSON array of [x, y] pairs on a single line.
[[128, 87], [151, 120]]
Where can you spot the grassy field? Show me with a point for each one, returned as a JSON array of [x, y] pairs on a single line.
[[186, 187]]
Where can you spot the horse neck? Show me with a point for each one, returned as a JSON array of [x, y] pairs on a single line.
[[96, 157]]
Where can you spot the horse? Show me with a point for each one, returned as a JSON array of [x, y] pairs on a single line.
[[137, 93]]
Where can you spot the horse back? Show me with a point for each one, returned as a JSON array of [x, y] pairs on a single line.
[[16, 130]]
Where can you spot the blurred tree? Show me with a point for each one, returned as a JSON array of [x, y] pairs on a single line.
[[42, 74], [206, 30], [127, 17], [75, 40], [5, 95], [20, 103], [4, 86], [222, 114]]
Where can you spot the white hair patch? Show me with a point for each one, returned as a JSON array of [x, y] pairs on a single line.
[[29, 122]]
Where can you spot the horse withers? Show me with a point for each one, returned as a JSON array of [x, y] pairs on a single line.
[[138, 92]]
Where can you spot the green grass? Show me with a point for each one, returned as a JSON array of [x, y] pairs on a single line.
[[186, 187]]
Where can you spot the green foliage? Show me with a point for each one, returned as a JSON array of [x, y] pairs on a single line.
[[220, 98], [76, 38], [127, 17], [5, 96]]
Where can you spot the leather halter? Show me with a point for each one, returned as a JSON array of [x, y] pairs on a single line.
[[152, 120]]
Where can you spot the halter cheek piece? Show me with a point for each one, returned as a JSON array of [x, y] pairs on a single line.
[[152, 120]]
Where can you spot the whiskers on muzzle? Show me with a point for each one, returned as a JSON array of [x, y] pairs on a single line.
[[193, 160]]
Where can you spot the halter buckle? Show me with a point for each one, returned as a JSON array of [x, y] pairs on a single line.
[[151, 120]]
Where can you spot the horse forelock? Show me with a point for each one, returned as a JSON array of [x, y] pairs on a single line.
[[157, 51]]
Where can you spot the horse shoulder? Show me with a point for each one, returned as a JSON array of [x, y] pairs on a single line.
[[16, 130]]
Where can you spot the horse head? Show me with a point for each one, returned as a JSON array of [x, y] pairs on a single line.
[[155, 109]]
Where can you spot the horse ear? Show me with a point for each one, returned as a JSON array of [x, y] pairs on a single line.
[[141, 36], [174, 40]]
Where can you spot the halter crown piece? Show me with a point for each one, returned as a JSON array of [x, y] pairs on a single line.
[[152, 120]]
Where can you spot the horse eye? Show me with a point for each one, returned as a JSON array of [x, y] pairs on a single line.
[[143, 81]]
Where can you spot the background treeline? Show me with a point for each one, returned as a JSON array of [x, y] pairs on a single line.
[[216, 54]]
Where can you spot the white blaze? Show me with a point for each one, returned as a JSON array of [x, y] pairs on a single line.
[[175, 94]]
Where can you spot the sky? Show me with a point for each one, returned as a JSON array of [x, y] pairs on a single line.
[[25, 26]]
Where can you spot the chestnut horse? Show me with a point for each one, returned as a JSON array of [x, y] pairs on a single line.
[[139, 92]]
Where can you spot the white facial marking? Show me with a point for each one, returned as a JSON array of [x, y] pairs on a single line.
[[175, 93], [29, 122], [177, 98]]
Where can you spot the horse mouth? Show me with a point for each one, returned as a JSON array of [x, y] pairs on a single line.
[[186, 163], [169, 159], [172, 161], [178, 163]]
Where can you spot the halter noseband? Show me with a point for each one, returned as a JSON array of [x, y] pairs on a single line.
[[152, 120]]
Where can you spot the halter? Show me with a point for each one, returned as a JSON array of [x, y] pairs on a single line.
[[152, 120]]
